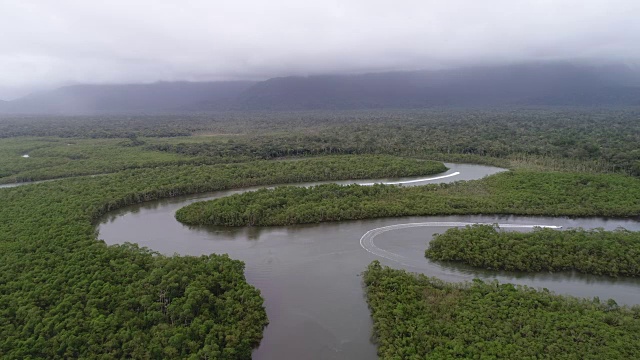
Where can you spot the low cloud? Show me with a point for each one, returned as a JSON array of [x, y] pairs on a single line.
[[52, 43]]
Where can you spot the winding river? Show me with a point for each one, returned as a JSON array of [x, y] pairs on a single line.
[[309, 275]]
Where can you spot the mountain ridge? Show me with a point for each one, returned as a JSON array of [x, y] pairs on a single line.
[[552, 84], [480, 86], [95, 98]]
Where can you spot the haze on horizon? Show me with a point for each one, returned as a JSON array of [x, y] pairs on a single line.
[[53, 43]]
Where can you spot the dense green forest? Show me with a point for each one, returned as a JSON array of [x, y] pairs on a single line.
[[543, 139], [515, 192], [613, 253], [54, 158], [66, 157], [417, 317], [553, 139], [63, 294]]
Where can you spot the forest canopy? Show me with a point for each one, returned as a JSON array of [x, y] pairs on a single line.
[[417, 317]]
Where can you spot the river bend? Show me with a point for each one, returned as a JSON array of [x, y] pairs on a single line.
[[309, 275]]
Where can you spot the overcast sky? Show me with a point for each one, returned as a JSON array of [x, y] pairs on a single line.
[[49, 43]]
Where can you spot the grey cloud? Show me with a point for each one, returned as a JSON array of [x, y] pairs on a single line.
[[50, 43]]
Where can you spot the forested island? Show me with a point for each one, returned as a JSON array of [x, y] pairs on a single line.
[[613, 253], [518, 192], [66, 294]]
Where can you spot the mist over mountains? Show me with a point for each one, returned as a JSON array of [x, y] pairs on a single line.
[[161, 96], [516, 85]]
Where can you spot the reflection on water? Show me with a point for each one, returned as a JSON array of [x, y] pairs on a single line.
[[309, 275]]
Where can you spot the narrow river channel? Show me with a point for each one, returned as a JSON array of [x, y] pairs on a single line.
[[309, 275]]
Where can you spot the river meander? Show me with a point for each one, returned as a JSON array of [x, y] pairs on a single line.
[[309, 275]]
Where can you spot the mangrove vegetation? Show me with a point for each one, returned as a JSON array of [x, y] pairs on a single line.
[[65, 294], [417, 317], [599, 252], [515, 192], [597, 140]]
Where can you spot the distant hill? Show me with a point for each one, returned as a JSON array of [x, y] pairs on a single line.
[[156, 97], [553, 84], [545, 84]]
